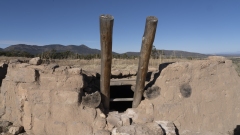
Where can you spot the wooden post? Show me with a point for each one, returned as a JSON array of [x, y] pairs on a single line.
[[147, 43], [106, 28]]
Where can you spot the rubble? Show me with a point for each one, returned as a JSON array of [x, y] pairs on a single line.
[[35, 61]]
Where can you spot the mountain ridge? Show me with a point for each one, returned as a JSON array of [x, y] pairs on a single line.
[[85, 50]]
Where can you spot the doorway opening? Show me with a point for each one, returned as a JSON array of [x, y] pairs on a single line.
[[121, 98]]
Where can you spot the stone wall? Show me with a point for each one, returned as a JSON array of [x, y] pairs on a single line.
[[199, 96], [46, 100], [187, 98]]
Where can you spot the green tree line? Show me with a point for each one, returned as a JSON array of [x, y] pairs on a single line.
[[16, 54], [53, 54]]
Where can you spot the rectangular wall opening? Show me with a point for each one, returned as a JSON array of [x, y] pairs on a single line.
[[121, 98]]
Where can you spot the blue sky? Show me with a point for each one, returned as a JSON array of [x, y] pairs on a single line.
[[204, 26]]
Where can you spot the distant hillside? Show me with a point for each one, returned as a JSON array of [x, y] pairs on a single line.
[[230, 54], [1, 49], [34, 49], [174, 53], [83, 49]]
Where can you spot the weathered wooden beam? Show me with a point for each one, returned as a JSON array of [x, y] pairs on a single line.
[[147, 42], [106, 29], [121, 99], [120, 82]]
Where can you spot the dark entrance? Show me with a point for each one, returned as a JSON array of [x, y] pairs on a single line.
[[121, 98]]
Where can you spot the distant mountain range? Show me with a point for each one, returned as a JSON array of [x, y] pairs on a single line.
[[230, 54], [83, 49], [174, 53], [34, 49]]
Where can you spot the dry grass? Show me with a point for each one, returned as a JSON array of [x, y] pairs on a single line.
[[121, 64], [236, 64], [94, 64], [7, 59]]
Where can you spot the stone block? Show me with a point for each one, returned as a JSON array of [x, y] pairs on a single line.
[[27, 123], [71, 83], [39, 96], [39, 127], [55, 128], [125, 73], [15, 130], [139, 129], [168, 127], [65, 97], [79, 128], [114, 120], [116, 73], [125, 120], [48, 82], [89, 114], [41, 111], [100, 123], [64, 113], [27, 108], [102, 132], [74, 71], [24, 75], [35, 61]]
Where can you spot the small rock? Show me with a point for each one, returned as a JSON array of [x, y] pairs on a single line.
[[4, 126], [125, 120], [151, 69], [5, 123], [116, 73], [144, 112], [6, 134], [23, 134], [102, 115], [168, 127], [52, 66], [142, 118], [35, 61], [15, 61], [23, 65], [125, 73], [138, 129], [15, 130], [133, 72], [155, 128], [114, 120], [74, 71], [130, 112], [100, 123]]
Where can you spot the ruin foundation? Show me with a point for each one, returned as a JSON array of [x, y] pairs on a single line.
[[196, 97]]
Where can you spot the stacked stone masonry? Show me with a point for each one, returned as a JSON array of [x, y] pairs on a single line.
[[197, 97]]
